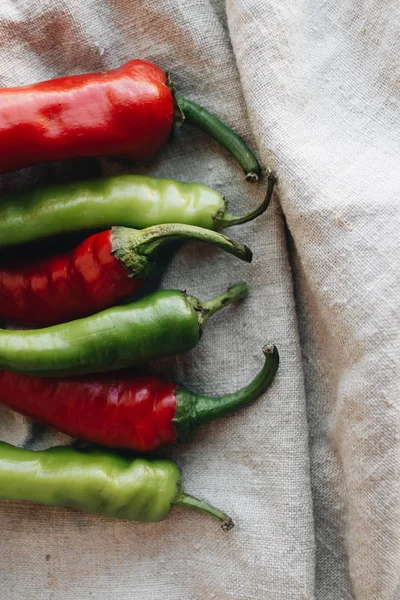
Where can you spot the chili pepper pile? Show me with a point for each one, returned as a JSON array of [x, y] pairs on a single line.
[[75, 371]]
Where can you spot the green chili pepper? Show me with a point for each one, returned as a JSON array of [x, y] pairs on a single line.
[[97, 482], [128, 200], [164, 323]]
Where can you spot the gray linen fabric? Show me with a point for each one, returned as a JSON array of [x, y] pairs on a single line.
[[311, 471]]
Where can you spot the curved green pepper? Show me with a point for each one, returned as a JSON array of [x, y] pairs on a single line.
[[128, 200], [97, 482], [164, 323]]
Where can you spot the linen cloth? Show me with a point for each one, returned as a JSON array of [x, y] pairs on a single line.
[[310, 472]]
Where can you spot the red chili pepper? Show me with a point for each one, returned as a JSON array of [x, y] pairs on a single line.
[[102, 270], [129, 111], [125, 411]]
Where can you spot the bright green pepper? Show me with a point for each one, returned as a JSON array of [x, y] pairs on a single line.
[[128, 200], [164, 323], [97, 482]]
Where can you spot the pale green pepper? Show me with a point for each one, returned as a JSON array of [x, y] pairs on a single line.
[[133, 201], [97, 482]]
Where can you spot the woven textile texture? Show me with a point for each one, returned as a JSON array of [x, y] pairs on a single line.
[[310, 472]]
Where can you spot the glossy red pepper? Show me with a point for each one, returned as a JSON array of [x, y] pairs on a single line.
[[102, 270], [139, 412], [129, 111], [124, 112]]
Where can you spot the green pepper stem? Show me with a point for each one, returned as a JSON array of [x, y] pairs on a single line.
[[154, 238], [137, 249], [208, 409], [206, 309], [199, 117], [193, 410], [183, 499], [227, 219]]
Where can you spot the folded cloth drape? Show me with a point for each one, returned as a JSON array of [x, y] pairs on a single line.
[[311, 471]]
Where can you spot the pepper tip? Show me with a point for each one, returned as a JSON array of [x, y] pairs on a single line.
[[269, 348], [272, 176], [227, 525], [252, 177], [248, 254]]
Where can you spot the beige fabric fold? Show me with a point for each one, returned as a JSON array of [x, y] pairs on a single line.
[[310, 472]]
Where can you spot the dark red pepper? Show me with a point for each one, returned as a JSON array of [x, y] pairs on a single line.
[[102, 270], [139, 412], [125, 112]]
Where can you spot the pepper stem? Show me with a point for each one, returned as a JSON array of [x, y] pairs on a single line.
[[206, 309], [208, 409], [227, 219], [199, 117], [136, 249], [194, 410], [183, 499]]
